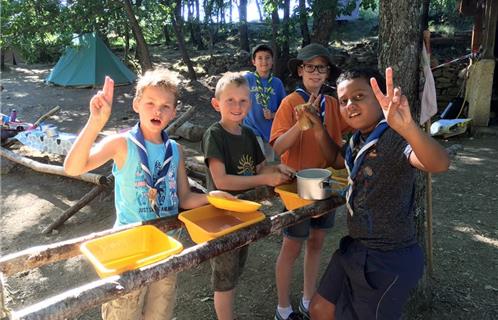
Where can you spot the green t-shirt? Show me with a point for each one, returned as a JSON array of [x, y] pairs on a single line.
[[240, 153]]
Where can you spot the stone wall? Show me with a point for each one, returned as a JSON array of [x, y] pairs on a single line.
[[448, 83]]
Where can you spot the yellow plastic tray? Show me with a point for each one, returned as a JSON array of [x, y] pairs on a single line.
[[237, 205], [288, 194], [341, 174], [129, 249], [208, 222]]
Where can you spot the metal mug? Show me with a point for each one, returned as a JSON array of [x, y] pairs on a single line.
[[315, 184]]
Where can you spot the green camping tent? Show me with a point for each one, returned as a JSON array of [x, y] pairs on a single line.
[[87, 62]]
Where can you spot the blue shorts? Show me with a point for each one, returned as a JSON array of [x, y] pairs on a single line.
[[370, 284], [301, 231]]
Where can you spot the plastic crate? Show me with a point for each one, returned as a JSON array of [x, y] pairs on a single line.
[[288, 194], [129, 249], [208, 222]]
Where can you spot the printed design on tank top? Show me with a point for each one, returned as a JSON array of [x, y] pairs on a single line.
[[166, 201]]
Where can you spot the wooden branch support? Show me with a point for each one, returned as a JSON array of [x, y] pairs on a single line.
[[36, 257], [9, 142], [50, 168], [75, 301], [3, 309], [194, 184], [92, 194], [47, 115], [180, 120]]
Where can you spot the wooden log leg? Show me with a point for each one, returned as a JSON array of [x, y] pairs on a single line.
[[3, 308], [92, 194], [180, 120]]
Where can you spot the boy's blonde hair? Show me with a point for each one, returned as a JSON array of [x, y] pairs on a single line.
[[160, 77], [235, 78]]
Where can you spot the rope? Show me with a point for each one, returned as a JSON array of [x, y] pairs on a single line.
[[470, 55]]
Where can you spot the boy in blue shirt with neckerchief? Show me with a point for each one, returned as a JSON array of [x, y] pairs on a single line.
[[267, 91]]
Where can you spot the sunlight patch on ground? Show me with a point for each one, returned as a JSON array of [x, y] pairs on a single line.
[[20, 94], [32, 71], [471, 231], [470, 160]]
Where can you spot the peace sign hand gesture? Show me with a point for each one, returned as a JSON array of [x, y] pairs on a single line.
[[101, 103], [394, 105]]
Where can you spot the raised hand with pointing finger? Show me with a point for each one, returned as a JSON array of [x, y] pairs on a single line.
[[101, 102]]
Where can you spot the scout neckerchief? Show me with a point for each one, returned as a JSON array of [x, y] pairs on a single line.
[[263, 92], [305, 95], [137, 137], [353, 165]]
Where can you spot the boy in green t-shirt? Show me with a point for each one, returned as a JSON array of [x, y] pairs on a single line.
[[236, 163]]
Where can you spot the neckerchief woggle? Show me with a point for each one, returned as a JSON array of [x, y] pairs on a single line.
[[306, 96], [137, 138], [353, 165], [263, 92]]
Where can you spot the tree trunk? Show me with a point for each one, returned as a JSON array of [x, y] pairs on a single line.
[[231, 13], [284, 53], [303, 23], [425, 14], [126, 43], [222, 13], [400, 38], [2, 59], [176, 20], [324, 12], [243, 32], [142, 49], [258, 5], [275, 25], [167, 38]]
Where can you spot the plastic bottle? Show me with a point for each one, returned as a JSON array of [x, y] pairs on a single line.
[[13, 115]]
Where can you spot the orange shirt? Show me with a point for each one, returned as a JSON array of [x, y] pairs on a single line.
[[306, 152]]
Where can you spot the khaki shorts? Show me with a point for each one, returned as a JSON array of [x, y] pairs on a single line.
[[155, 301], [227, 268]]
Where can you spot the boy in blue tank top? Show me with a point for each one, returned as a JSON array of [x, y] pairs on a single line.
[[150, 177]]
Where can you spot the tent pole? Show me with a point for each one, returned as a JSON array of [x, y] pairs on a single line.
[[428, 216]]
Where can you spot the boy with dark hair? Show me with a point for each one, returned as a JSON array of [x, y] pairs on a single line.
[[302, 147], [379, 262], [236, 163], [267, 91]]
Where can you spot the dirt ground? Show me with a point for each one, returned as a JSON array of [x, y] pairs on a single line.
[[465, 282]]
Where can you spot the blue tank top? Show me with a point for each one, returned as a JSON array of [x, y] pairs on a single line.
[[130, 191]]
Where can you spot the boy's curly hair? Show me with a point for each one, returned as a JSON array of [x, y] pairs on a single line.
[[235, 78], [160, 77], [363, 73]]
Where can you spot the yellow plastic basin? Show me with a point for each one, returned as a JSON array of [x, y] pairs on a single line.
[[129, 249], [237, 205], [208, 222], [288, 194]]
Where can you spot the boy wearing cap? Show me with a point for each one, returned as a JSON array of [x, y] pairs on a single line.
[[301, 149], [267, 91]]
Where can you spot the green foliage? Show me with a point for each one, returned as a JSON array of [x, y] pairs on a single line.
[[444, 11], [28, 26], [370, 5]]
